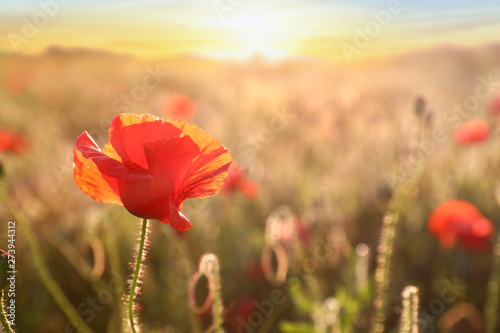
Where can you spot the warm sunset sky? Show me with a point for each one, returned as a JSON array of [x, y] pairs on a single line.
[[153, 28]]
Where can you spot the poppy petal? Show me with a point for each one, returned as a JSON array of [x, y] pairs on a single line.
[[448, 211], [458, 221], [92, 182], [209, 171], [206, 176], [170, 158], [482, 228], [129, 132], [447, 240], [148, 198], [107, 165], [176, 219]]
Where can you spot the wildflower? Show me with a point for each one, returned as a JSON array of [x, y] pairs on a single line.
[[150, 166], [459, 221], [12, 141], [238, 180], [473, 131], [178, 107]]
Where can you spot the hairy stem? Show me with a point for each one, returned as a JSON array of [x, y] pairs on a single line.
[[137, 272], [3, 317], [403, 188]]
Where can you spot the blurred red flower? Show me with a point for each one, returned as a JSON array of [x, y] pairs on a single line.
[[178, 107], [495, 107], [294, 225], [238, 180], [244, 307], [473, 131], [459, 220], [19, 80], [150, 166], [12, 141]]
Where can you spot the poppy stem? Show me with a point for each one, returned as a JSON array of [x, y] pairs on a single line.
[[209, 265], [41, 265], [137, 272], [384, 258], [3, 317], [388, 235], [491, 308]]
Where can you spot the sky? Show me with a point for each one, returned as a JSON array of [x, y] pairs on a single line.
[[337, 30]]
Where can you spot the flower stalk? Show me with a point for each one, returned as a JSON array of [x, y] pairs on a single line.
[[3, 317], [134, 288], [209, 266], [406, 183]]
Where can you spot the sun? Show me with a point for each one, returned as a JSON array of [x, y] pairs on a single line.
[[250, 34]]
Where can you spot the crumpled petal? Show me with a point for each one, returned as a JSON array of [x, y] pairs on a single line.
[[92, 182], [129, 132], [176, 219], [171, 158], [146, 198], [209, 171], [107, 165]]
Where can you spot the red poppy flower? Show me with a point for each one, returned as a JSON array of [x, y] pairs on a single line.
[[178, 107], [11, 141], [150, 166], [473, 131], [238, 180], [458, 220]]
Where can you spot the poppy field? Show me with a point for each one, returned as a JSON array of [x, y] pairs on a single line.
[[189, 194]]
